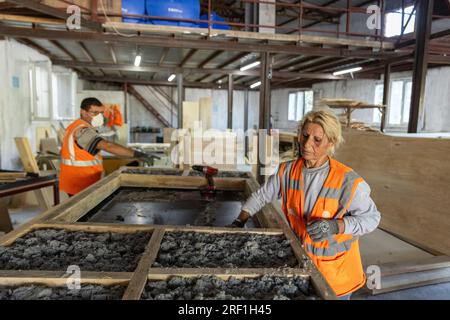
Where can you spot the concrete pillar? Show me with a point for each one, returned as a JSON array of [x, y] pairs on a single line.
[[180, 92]]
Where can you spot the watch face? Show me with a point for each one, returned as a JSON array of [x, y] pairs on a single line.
[[324, 227]]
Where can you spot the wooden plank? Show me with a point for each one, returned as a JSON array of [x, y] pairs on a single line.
[[205, 112], [409, 178], [95, 227], [224, 273], [394, 268], [72, 209], [249, 35], [139, 278], [180, 182], [18, 18], [5, 220], [413, 280], [12, 175], [30, 165], [191, 114], [59, 278], [77, 206], [219, 230]]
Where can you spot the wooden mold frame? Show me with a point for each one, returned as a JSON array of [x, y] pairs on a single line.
[[66, 215]]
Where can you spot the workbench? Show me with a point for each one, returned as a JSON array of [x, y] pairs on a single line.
[[19, 182], [352, 105], [68, 216]]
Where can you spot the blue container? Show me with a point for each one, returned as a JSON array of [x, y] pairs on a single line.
[[214, 17], [133, 7], [183, 9]]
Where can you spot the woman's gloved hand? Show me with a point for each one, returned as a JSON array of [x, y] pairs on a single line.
[[320, 230]]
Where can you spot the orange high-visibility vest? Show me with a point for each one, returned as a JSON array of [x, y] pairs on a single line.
[[78, 169], [337, 258]]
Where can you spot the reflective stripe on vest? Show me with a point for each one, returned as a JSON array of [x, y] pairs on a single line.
[[343, 195], [332, 250], [78, 163]]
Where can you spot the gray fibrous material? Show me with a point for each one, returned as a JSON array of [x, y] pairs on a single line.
[[39, 292], [164, 172], [52, 249], [169, 172], [222, 174], [267, 287], [224, 250]]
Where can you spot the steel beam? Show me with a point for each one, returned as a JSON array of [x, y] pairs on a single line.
[[386, 94], [156, 68], [230, 102], [423, 30], [180, 92], [208, 44]]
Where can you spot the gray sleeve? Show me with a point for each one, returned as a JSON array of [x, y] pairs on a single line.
[[264, 195], [88, 138], [362, 216]]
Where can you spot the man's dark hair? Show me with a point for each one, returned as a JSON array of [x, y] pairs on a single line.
[[88, 102]]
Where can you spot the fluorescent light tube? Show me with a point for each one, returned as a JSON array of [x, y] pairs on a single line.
[[172, 76], [251, 65], [338, 73], [256, 84], [137, 60]]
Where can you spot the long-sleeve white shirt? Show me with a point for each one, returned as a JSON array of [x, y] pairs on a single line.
[[361, 218]]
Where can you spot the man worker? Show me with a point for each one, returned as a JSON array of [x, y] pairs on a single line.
[[81, 161]]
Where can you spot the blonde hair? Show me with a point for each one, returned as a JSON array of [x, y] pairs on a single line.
[[329, 123]]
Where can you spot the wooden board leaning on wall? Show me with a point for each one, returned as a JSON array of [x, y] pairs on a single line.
[[409, 178]]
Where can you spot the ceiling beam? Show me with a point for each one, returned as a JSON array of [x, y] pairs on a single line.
[[211, 57], [55, 12], [433, 36], [63, 49], [86, 52], [192, 43], [152, 82], [112, 52], [176, 70], [37, 47], [88, 55], [163, 56], [188, 56]]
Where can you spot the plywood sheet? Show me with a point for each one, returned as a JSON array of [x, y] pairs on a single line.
[[409, 178]]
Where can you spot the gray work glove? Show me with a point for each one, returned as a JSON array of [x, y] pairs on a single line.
[[236, 224], [320, 230], [142, 155]]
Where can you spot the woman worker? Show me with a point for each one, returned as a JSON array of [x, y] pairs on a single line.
[[327, 204]]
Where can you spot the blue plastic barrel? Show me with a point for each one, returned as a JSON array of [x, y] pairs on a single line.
[[133, 7], [183, 9], [214, 17]]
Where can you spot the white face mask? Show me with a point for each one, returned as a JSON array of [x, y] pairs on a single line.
[[97, 121]]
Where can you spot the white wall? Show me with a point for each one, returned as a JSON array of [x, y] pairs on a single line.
[[15, 109], [280, 109], [436, 98], [220, 106]]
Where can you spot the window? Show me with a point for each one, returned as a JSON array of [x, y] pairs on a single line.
[[399, 102], [300, 102], [40, 90], [394, 22], [63, 95], [379, 90]]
